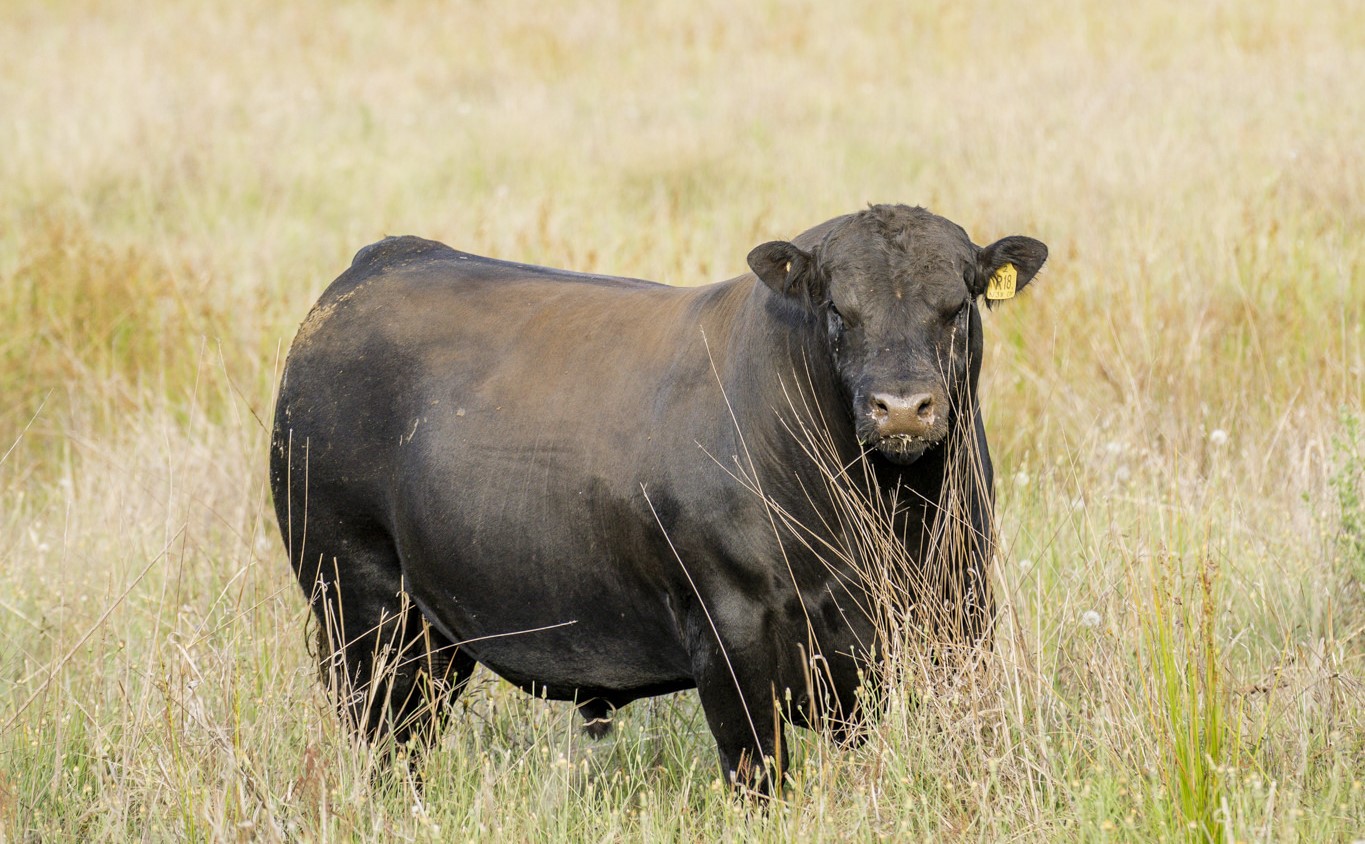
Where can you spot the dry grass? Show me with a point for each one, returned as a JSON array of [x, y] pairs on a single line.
[[1174, 406]]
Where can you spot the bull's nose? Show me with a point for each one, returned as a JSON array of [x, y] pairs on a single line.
[[902, 415]]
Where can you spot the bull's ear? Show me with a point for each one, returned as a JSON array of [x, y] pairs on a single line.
[[786, 268], [1004, 267]]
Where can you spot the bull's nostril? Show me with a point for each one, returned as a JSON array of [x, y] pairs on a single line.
[[924, 406], [880, 410]]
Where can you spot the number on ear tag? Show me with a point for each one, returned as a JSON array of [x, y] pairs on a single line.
[[1003, 283]]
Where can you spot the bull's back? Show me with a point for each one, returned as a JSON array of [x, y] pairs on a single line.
[[414, 325], [413, 319]]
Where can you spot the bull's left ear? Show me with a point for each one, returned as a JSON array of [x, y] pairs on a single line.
[[1004, 267], [786, 268]]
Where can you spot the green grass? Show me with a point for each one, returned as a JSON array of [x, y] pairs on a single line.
[[1347, 480], [1174, 406], [1190, 710]]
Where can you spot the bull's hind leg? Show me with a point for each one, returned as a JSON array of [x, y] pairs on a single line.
[[391, 673], [597, 717]]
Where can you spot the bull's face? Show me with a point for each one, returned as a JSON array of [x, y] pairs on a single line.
[[897, 290]]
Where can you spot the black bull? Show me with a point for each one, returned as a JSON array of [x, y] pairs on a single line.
[[573, 479]]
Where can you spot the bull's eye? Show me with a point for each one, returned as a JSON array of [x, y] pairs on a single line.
[[836, 319], [962, 311], [834, 324]]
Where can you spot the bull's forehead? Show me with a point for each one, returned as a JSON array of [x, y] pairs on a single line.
[[896, 257]]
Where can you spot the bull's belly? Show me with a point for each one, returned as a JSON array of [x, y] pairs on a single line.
[[562, 629], [542, 569], [569, 668]]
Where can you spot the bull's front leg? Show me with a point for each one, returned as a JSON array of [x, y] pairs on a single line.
[[736, 669]]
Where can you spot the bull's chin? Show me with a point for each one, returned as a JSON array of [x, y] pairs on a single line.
[[902, 449]]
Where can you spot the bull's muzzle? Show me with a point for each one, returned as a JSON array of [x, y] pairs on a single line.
[[914, 416], [902, 426]]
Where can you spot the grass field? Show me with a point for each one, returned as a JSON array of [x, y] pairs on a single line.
[[1176, 406]]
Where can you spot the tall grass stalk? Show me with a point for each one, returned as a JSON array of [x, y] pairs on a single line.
[[1190, 709]]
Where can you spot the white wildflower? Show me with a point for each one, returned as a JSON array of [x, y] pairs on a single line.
[[1090, 618], [1218, 437]]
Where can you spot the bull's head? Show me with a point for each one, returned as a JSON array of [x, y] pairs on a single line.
[[897, 289]]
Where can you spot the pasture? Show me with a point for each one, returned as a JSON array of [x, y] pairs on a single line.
[[1176, 405]]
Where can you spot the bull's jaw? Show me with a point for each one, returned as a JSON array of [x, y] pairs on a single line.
[[902, 449]]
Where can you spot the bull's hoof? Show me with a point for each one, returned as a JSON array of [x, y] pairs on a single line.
[[597, 728], [597, 717]]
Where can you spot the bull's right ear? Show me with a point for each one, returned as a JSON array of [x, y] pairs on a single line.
[[786, 268]]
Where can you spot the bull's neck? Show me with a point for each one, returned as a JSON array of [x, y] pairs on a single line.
[[780, 372]]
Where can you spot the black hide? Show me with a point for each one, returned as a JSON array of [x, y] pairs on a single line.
[[557, 472]]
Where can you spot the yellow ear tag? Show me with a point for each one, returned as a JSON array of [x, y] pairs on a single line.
[[1003, 282]]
